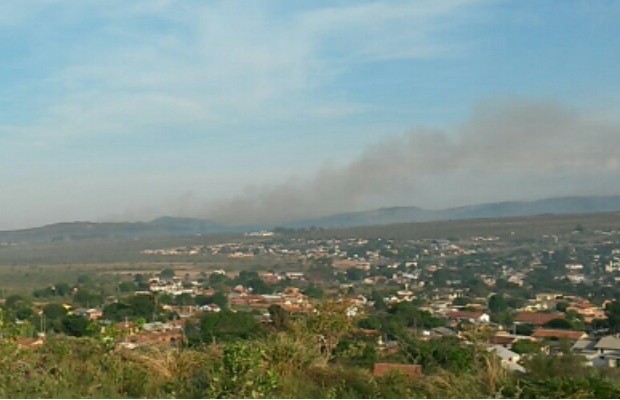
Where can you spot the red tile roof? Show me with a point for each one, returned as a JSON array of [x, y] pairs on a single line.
[[465, 314], [558, 334], [502, 340], [535, 318], [582, 305]]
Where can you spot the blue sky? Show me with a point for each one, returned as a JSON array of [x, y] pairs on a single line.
[[113, 110]]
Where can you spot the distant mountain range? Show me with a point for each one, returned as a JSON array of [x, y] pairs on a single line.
[[393, 215], [171, 226], [160, 227]]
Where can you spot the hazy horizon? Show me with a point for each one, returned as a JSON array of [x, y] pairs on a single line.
[[295, 221], [256, 112]]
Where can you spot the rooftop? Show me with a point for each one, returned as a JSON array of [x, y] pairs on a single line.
[[608, 342], [558, 334], [466, 314], [535, 318]]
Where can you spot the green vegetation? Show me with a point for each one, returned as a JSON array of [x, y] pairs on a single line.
[[613, 316], [524, 346], [287, 364], [223, 326], [133, 307]]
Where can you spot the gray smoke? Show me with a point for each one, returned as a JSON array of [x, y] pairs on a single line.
[[507, 150]]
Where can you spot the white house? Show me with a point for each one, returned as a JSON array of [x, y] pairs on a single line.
[[509, 358], [470, 316], [608, 351]]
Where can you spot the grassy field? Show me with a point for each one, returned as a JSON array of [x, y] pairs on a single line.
[[24, 278], [102, 250], [517, 228]]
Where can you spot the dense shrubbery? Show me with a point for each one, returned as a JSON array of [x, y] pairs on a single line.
[[320, 355], [288, 364]]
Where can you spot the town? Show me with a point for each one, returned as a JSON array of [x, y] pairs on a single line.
[[556, 294]]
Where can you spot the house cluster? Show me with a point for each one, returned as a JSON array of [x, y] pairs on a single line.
[[92, 314], [350, 250], [187, 311], [176, 286], [290, 299], [153, 333], [598, 351], [613, 265], [538, 316], [175, 251], [346, 263], [259, 234], [582, 307], [602, 352]]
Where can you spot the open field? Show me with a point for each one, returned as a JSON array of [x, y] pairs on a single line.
[[518, 228], [102, 251], [23, 279]]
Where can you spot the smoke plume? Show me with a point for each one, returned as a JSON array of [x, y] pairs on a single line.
[[507, 150]]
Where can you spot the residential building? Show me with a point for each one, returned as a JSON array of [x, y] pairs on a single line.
[[608, 351], [536, 318], [469, 316]]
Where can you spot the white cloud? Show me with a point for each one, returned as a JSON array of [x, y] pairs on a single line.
[[390, 30], [216, 63]]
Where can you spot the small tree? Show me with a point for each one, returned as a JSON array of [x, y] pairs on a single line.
[[14, 301], [167, 274], [524, 329], [561, 306], [54, 311], [461, 301], [279, 316], [242, 374], [330, 324], [62, 289], [74, 325], [524, 346], [258, 286], [314, 292], [127, 287], [497, 303], [613, 316], [355, 274], [559, 323]]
